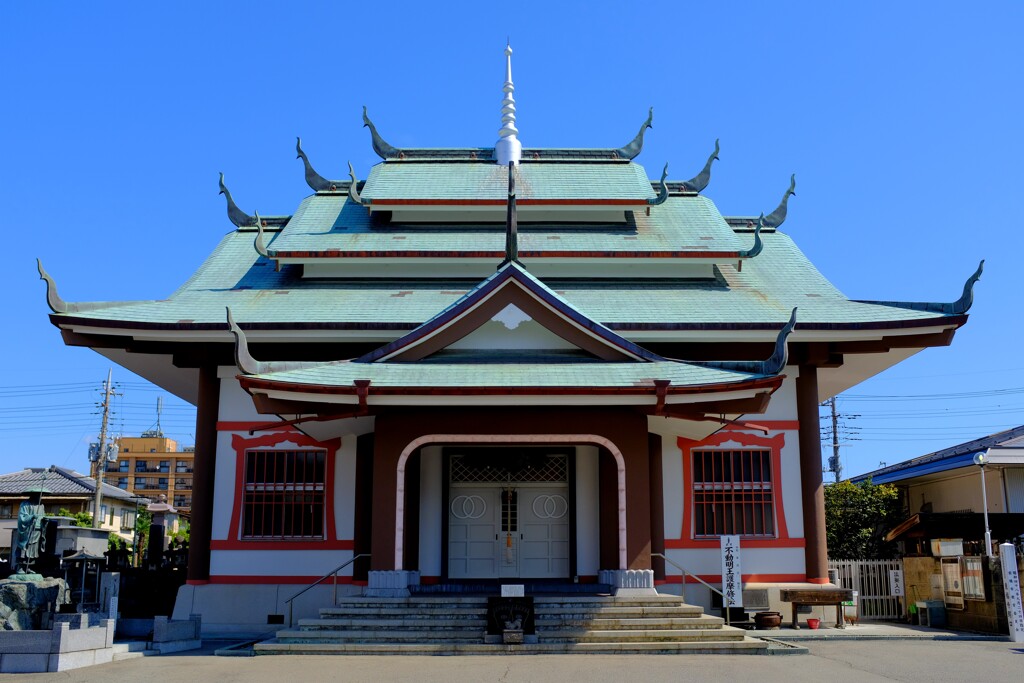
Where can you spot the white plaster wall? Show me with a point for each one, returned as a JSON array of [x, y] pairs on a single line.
[[511, 329], [345, 489], [588, 531], [278, 562], [235, 404], [959, 492], [672, 487], [753, 561], [431, 511], [223, 486], [782, 405]]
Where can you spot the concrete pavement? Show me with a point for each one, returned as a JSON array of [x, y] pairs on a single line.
[[835, 661]]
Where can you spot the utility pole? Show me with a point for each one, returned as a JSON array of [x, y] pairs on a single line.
[[834, 465], [100, 457]]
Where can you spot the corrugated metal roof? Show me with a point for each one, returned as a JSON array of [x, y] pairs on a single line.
[[942, 460], [58, 481]]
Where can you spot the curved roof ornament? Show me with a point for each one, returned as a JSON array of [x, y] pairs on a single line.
[[634, 148], [53, 300], [240, 218], [261, 248], [243, 359], [701, 180], [315, 181], [353, 189], [662, 191], [778, 216], [249, 365], [758, 244], [958, 307], [383, 149], [773, 365], [966, 300]]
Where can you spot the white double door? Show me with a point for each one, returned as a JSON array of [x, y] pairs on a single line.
[[492, 534]]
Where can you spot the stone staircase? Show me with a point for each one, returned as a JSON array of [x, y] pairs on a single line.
[[458, 625]]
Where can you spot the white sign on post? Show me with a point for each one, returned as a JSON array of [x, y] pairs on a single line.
[[732, 574], [896, 582], [1011, 589]]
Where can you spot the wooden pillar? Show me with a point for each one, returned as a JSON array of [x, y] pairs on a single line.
[[387, 447], [811, 486], [363, 513], [638, 492], [657, 505], [203, 472]]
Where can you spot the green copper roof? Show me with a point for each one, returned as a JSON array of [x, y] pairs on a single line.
[[492, 372], [332, 223], [489, 181], [765, 292]]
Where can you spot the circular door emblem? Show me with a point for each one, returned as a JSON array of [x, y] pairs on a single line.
[[468, 507], [550, 507]]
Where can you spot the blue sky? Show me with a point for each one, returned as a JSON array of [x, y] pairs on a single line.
[[901, 121]]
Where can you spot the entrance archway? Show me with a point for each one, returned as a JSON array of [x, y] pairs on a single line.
[[509, 439]]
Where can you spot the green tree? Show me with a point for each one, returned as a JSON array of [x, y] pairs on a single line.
[[78, 518], [857, 517]]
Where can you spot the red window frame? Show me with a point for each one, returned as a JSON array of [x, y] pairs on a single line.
[[733, 492], [284, 494]]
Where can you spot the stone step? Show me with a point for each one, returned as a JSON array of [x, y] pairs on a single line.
[[639, 635], [410, 621], [619, 612], [380, 636], [427, 612], [647, 601], [415, 601], [550, 622], [748, 646]]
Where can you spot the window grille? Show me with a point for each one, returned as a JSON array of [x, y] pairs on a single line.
[[732, 493], [465, 470], [509, 511], [284, 494]]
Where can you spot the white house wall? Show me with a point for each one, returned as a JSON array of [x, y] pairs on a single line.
[[961, 491]]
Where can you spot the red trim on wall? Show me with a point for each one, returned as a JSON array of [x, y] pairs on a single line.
[[243, 579], [774, 444], [246, 426], [780, 425], [241, 444], [715, 544], [747, 578], [230, 544]]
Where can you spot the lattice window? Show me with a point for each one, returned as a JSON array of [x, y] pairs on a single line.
[[284, 494], [509, 511], [733, 493], [553, 468]]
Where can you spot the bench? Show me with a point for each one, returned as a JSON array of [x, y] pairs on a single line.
[[823, 596]]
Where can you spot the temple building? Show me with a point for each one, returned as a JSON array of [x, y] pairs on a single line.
[[503, 364]]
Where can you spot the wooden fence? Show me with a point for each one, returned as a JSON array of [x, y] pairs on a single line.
[[870, 578]]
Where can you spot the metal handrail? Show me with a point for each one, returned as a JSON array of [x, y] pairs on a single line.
[[323, 578], [685, 573]]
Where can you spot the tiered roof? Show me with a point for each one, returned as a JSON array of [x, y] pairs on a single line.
[[597, 239]]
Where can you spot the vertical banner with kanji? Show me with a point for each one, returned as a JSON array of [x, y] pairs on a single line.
[[732, 575], [1011, 589], [896, 582]]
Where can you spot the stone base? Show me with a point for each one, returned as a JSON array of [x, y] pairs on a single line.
[[391, 584], [629, 582]]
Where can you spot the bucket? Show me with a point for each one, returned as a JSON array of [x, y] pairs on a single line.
[[813, 623]]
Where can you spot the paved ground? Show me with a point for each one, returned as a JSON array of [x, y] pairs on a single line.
[[834, 661]]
